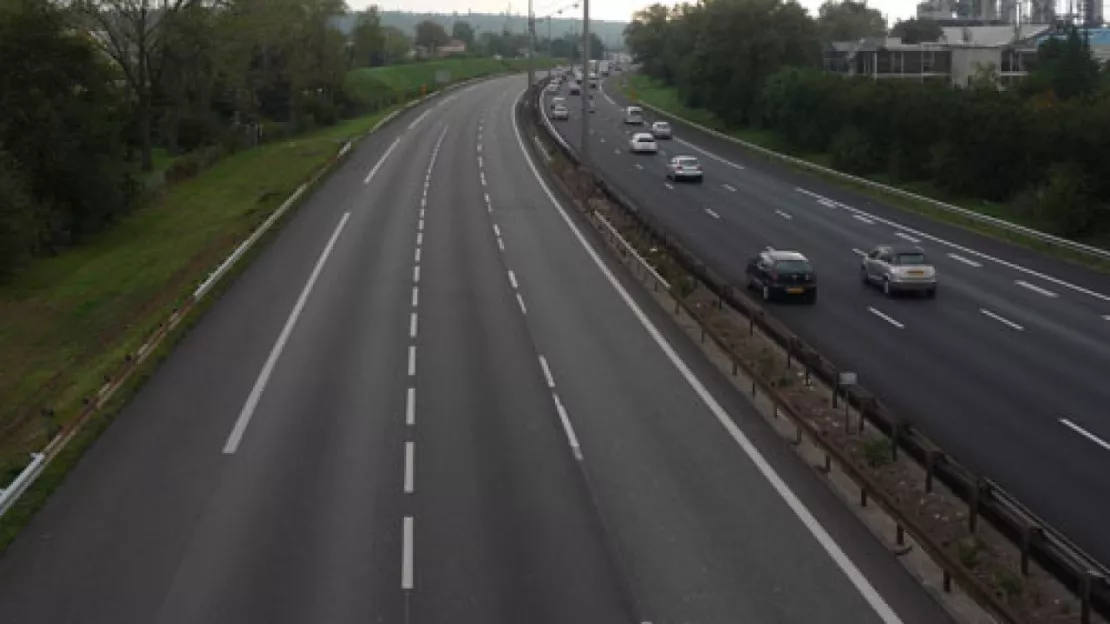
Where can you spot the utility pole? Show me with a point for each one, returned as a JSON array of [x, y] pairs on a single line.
[[586, 95], [531, 44]]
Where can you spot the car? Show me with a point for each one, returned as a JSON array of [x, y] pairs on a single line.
[[684, 168], [661, 130], [898, 269], [560, 112], [575, 89], [557, 101], [642, 142], [553, 87], [634, 116], [782, 273]]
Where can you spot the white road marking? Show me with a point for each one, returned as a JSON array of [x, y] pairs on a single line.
[[500, 244], [978, 254], [412, 321], [784, 215], [1036, 289], [415, 296], [410, 407], [416, 257], [617, 151], [512, 279], [420, 225], [602, 139], [480, 162], [547, 372], [863, 219], [668, 185], [424, 200], [378, 165], [419, 238], [245, 414], [416, 274], [487, 198], [520, 300], [410, 461], [729, 187], [710, 154], [479, 145], [568, 429], [1106, 317], [412, 360], [859, 252], [886, 318], [827, 203], [419, 119], [858, 580], [406, 555], [639, 166], [712, 213], [1001, 319], [1086, 434], [965, 260], [905, 236], [483, 176], [421, 213], [496, 230]]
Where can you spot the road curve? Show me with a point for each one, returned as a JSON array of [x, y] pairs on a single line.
[[1003, 369], [427, 400]]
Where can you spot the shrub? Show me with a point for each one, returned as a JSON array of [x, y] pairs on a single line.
[[852, 152], [1064, 203]]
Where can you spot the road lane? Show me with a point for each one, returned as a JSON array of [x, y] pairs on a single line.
[[991, 397]]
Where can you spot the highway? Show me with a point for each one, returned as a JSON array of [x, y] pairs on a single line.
[[430, 399], [1004, 369]]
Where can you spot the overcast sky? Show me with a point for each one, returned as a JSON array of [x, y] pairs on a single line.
[[618, 10]]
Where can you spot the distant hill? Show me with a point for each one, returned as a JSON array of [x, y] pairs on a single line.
[[611, 33]]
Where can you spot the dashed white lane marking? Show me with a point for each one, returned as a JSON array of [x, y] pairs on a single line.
[[245, 414], [729, 187], [827, 203], [668, 185], [568, 429], [410, 461], [416, 256], [1086, 434], [711, 155], [512, 279], [547, 372], [415, 296], [500, 244], [496, 230], [482, 175], [1001, 319], [480, 163], [1036, 289], [812, 524], [419, 119], [616, 151], [412, 320], [886, 318], [410, 407], [639, 166], [863, 219], [420, 225], [419, 238], [378, 165], [416, 274], [406, 555], [421, 213], [964, 260], [859, 252], [711, 213], [520, 300], [602, 139], [487, 198], [412, 360], [1106, 317], [784, 215], [905, 236], [479, 145]]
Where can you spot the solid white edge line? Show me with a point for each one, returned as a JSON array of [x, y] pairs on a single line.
[[1036, 289], [907, 237], [1001, 319], [480, 162], [886, 318], [520, 300], [876, 601], [547, 372], [496, 230], [406, 554], [410, 407], [419, 238], [416, 256], [959, 258], [410, 461], [412, 324], [1086, 434], [378, 165], [245, 414], [420, 225], [512, 279]]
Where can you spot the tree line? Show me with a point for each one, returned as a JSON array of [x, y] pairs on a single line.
[[94, 91], [1037, 148]]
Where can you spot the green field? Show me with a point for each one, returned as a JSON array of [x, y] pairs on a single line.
[[651, 92], [370, 84]]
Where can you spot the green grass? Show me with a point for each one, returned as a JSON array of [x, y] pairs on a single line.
[[367, 84], [651, 92], [69, 320]]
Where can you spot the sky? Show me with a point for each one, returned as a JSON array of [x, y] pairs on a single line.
[[616, 10]]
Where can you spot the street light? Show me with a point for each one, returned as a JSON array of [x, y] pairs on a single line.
[[586, 95]]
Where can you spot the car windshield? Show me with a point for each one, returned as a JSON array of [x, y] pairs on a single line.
[[661, 125], [686, 162], [793, 266], [634, 111], [903, 259]]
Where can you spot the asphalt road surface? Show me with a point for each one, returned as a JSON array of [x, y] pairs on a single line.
[[1005, 369], [430, 400]]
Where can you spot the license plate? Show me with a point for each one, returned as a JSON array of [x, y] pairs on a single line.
[[917, 273], [795, 291]]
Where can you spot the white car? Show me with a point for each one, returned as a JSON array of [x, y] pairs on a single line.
[[634, 115], [560, 112], [661, 130], [558, 101], [642, 142], [684, 168], [553, 87]]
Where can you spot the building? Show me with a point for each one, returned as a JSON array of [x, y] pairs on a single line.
[[451, 48]]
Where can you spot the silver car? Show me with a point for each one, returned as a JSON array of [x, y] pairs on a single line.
[[661, 130], [560, 112], [899, 268]]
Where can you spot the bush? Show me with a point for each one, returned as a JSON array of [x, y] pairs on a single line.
[[18, 236], [191, 164], [852, 152], [1064, 204]]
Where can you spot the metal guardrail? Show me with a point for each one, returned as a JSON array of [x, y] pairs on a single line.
[[1038, 235], [1034, 538]]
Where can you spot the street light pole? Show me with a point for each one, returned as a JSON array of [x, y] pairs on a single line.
[[531, 43], [586, 95]]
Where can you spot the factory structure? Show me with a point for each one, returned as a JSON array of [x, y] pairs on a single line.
[[1004, 12]]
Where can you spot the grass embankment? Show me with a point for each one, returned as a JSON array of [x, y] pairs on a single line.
[[369, 84], [666, 98]]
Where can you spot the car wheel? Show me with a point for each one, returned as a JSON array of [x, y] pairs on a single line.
[[886, 288], [811, 298], [863, 277], [698, 180], [931, 293], [766, 293]]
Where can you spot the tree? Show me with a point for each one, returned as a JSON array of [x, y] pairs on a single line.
[[916, 30], [131, 32], [430, 35], [1065, 67], [368, 39], [395, 44], [849, 21], [463, 32]]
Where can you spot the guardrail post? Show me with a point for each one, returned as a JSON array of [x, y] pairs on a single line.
[[900, 535], [930, 469], [1029, 533], [895, 436], [973, 505], [947, 582], [1085, 583], [863, 497]]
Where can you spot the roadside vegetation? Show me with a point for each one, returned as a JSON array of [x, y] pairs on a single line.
[[1032, 153], [120, 191]]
